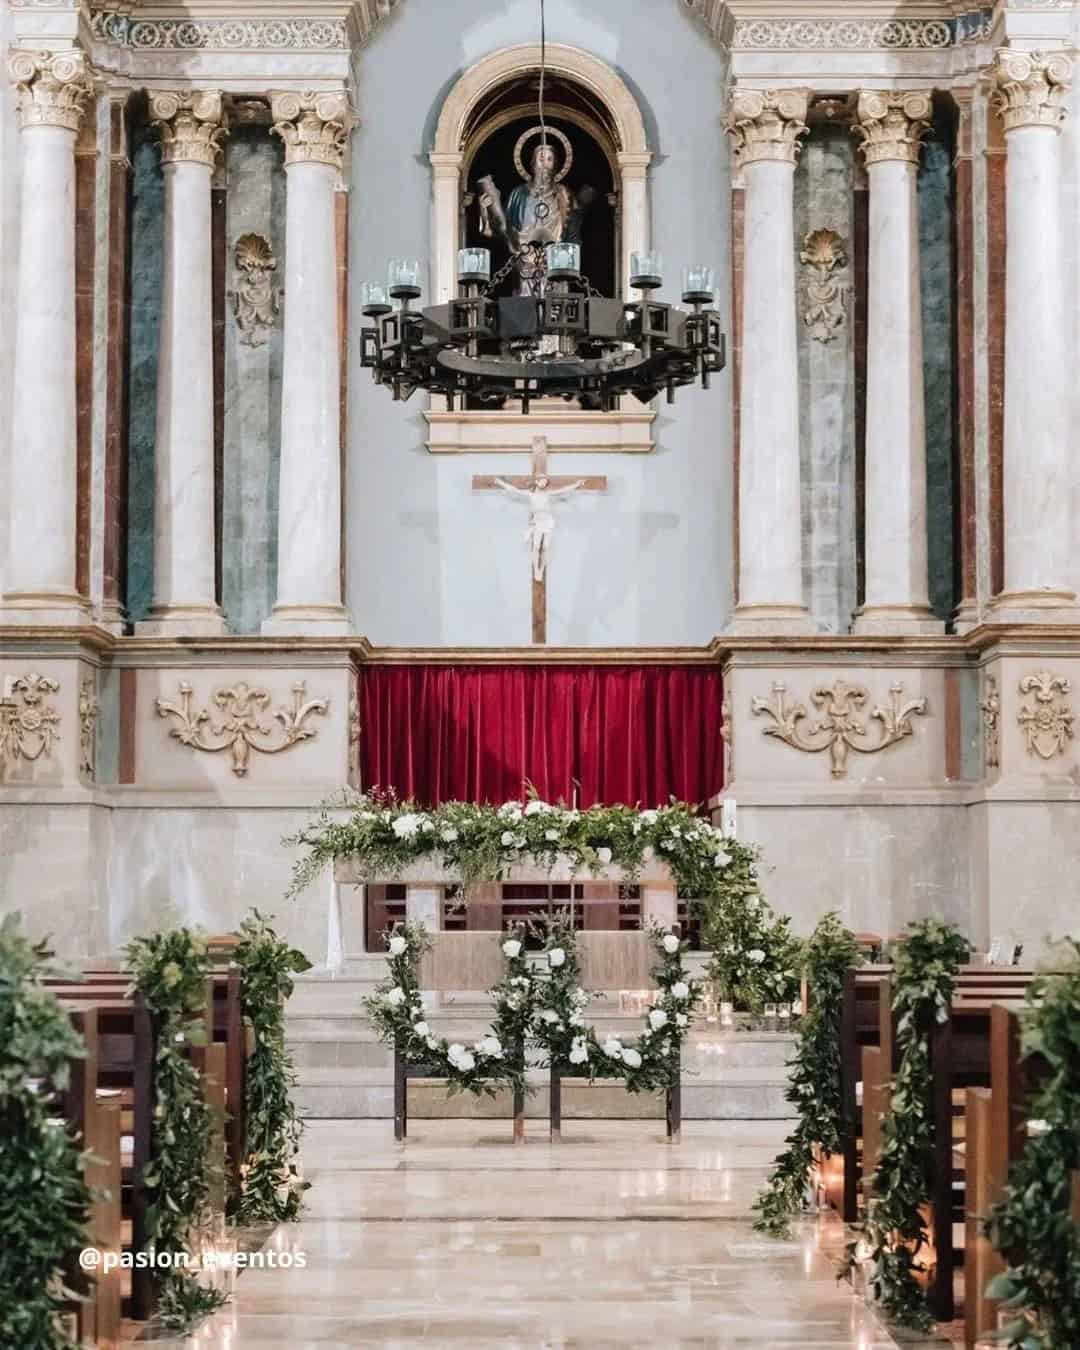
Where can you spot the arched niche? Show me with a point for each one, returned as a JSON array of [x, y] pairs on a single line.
[[487, 95]]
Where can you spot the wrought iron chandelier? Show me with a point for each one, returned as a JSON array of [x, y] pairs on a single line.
[[560, 338]]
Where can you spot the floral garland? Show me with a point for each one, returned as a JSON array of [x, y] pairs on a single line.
[[1031, 1226], [270, 1188], [652, 1061], [894, 1231], [496, 1060], [170, 971], [43, 1192], [814, 1088]]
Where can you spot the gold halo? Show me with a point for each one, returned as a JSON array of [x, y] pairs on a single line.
[[539, 131]]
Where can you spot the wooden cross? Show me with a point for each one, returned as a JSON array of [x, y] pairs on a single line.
[[559, 486]]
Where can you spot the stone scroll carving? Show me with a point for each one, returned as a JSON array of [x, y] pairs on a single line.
[[88, 715], [991, 711], [242, 724], [256, 300], [839, 728], [1047, 719], [823, 254], [28, 721]]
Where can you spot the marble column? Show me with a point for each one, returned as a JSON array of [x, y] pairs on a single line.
[[765, 128], [191, 126], [314, 129], [1029, 93], [51, 91], [891, 125]]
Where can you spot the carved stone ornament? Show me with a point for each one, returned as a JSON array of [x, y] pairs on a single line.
[[892, 123], [1047, 721], [353, 767], [1030, 88], [840, 729], [991, 711], [191, 125], [823, 252], [241, 727], [853, 35], [88, 715], [28, 722], [767, 124], [51, 88], [256, 300], [314, 127], [727, 735]]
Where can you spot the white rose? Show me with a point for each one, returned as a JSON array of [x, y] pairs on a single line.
[[549, 1015], [537, 808], [396, 996], [511, 948], [398, 945], [405, 827], [722, 859], [613, 1048], [657, 1019], [671, 944], [796, 1007], [576, 1020], [668, 844], [631, 1059], [507, 839], [427, 826], [448, 835], [756, 955], [579, 1051], [490, 1045], [556, 957], [510, 811], [603, 855], [432, 1043], [466, 1061], [681, 1019], [650, 817], [421, 1029], [580, 997], [680, 989], [551, 835]]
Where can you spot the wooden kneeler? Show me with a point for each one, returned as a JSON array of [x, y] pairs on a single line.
[[403, 1071], [672, 1103]]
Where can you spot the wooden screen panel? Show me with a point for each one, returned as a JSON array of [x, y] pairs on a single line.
[[467, 960], [384, 905], [616, 961]]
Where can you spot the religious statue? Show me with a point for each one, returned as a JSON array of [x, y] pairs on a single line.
[[542, 210], [541, 522]]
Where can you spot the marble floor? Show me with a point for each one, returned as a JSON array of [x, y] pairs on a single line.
[[613, 1239]]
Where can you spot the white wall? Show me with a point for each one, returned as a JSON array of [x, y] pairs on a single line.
[[9, 253], [431, 562]]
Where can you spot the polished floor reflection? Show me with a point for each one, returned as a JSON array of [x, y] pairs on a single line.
[[611, 1239]]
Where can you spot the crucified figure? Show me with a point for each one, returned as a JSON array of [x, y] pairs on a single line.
[[541, 522]]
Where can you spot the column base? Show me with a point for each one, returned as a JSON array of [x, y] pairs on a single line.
[[897, 621], [771, 621], [308, 621], [45, 609], [113, 617], [182, 621], [1053, 607], [967, 616]]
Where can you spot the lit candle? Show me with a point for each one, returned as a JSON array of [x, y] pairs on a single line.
[[403, 277], [563, 259], [474, 264]]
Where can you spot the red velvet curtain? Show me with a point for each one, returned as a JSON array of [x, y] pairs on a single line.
[[632, 734]]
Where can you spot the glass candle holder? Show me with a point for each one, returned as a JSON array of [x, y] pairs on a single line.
[[374, 299], [646, 271], [563, 260], [699, 285], [474, 264], [403, 278]]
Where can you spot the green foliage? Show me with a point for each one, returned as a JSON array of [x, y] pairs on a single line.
[[170, 971], [1032, 1226], [893, 1233], [270, 1189], [650, 1063], [814, 1089], [755, 956], [43, 1193]]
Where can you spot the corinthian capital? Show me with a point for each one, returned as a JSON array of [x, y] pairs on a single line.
[[50, 87], [1030, 88], [765, 124], [313, 126], [191, 125], [892, 122]]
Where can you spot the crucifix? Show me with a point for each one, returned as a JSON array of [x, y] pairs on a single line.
[[539, 491]]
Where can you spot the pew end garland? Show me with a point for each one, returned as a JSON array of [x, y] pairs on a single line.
[[170, 971], [814, 1087], [1032, 1226], [893, 1232], [44, 1196], [271, 1189]]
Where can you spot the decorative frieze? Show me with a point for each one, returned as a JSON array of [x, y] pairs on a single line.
[[854, 34], [892, 123], [767, 124], [268, 35], [28, 721], [256, 300], [191, 125], [991, 711], [241, 726], [839, 728], [1046, 720], [1030, 88], [88, 715], [313, 126], [823, 254], [51, 88]]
